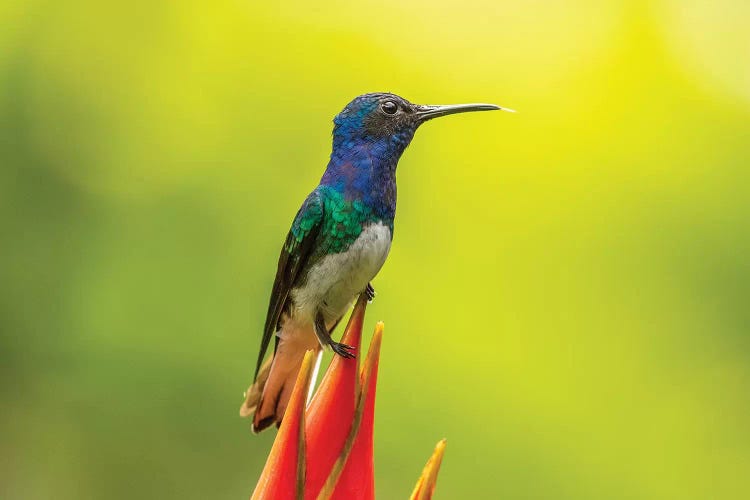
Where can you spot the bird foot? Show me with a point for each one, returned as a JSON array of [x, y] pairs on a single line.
[[369, 293], [343, 350]]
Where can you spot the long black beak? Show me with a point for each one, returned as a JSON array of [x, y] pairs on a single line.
[[428, 112]]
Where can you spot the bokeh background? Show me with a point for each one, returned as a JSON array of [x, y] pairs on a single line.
[[566, 300]]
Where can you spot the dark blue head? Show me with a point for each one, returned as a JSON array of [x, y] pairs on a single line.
[[369, 136], [386, 122]]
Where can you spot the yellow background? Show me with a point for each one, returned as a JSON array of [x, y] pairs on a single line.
[[566, 299]]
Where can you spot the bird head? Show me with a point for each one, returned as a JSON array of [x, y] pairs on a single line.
[[389, 120]]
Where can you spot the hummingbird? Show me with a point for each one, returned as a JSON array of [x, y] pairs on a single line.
[[338, 242]]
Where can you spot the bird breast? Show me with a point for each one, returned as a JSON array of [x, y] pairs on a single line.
[[335, 281]]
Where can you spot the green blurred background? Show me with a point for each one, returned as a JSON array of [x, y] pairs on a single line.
[[566, 298]]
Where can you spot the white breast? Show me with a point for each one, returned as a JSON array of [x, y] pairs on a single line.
[[335, 281]]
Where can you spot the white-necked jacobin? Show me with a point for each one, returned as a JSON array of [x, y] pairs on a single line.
[[338, 242]]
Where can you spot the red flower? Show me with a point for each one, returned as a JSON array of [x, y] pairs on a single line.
[[325, 451]]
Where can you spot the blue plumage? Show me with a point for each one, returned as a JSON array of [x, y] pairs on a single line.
[[366, 150]]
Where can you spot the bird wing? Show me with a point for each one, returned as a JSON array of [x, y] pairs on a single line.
[[294, 255]]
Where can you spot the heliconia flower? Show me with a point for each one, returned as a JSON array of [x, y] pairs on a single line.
[[332, 411], [425, 486], [284, 473], [357, 478], [325, 450]]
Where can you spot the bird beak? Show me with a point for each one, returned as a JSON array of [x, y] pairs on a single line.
[[428, 112]]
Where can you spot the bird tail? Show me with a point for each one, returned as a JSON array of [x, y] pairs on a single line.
[[267, 397]]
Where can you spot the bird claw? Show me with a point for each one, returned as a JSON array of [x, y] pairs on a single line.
[[343, 350], [369, 293]]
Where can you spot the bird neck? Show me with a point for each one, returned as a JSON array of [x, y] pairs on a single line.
[[365, 170]]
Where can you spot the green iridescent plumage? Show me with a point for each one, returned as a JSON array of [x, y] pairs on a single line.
[[309, 215], [341, 221]]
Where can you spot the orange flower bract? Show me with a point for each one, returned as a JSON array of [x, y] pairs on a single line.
[[325, 451]]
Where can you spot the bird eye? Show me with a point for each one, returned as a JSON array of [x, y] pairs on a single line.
[[389, 107]]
